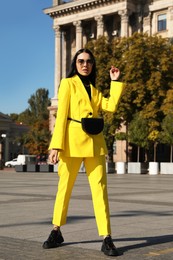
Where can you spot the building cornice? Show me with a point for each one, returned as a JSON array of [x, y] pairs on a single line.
[[77, 6]]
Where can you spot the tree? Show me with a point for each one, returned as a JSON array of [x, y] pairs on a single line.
[[121, 136], [146, 69], [37, 117], [138, 133], [146, 65], [166, 135], [102, 51], [110, 127], [14, 117], [149, 80]]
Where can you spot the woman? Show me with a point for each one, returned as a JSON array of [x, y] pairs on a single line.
[[78, 98]]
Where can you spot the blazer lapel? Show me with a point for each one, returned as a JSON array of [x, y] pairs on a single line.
[[81, 88]]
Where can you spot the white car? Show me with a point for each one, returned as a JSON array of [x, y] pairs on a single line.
[[11, 163]]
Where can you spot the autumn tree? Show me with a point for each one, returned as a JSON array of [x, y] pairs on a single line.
[[37, 139], [36, 117]]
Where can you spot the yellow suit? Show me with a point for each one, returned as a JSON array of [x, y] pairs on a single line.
[[74, 102], [77, 146]]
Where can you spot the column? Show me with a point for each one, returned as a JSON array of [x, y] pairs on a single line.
[[58, 59], [1, 163], [64, 54], [6, 147], [3, 150], [100, 25], [147, 24], [78, 34], [58, 72], [55, 2], [124, 23], [140, 23], [154, 23], [170, 22]]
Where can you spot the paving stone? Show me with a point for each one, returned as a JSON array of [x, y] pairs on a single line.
[[141, 217]]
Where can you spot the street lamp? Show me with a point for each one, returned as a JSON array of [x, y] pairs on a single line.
[[1, 150]]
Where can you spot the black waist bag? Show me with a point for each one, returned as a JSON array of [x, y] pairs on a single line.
[[92, 126]]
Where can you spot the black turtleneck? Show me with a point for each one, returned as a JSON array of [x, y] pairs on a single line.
[[86, 82]]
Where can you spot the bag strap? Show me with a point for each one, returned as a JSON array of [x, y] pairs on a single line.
[[69, 118]]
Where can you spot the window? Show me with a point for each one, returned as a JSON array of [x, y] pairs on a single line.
[[161, 22]]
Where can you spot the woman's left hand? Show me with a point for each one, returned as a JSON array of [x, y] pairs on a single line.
[[114, 73]]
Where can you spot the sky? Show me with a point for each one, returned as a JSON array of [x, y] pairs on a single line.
[[26, 53]]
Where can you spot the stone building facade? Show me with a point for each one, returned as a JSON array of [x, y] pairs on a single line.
[[75, 22]]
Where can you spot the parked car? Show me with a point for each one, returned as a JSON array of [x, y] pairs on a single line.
[[11, 163], [23, 159]]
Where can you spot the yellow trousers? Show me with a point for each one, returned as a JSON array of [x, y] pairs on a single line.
[[96, 171]]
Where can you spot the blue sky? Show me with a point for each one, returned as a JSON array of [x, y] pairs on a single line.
[[26, 52]]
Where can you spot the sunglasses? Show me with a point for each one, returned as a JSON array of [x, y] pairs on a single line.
[[82, 62]]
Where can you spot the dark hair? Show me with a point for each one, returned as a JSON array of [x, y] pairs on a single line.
[[73, 70]]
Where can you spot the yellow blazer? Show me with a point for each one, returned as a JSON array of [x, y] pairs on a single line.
[[74, 102]]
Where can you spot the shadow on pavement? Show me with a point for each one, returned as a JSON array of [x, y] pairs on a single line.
[[150, 241]]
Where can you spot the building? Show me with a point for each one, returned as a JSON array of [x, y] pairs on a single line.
[[75, 22]]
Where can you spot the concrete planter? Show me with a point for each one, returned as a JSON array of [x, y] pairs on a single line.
[[153, 168], [46, 168], [32, 168], [55, 168], [166, 168], [20, 168], [120, 167], [137, 167], [110, 167]]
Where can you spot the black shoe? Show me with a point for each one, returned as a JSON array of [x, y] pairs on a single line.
[[54, 240], [108, 247]]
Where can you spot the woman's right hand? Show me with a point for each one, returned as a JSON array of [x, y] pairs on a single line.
[[53, 156]]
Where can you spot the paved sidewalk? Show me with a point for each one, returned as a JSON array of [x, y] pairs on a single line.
[[141, 216]]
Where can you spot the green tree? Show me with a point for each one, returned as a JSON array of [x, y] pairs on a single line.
[[166, 135], [102, 51], [110, 127], [138, 133], [37, 117], [167, 104], [149, 80], [146, 69], [146, 65], [14, 117]]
